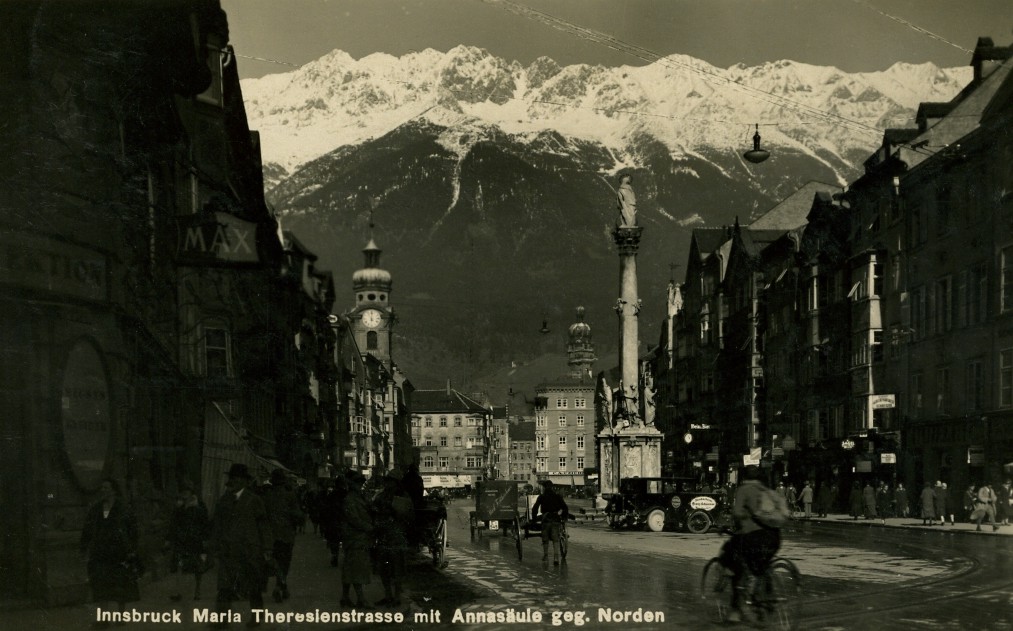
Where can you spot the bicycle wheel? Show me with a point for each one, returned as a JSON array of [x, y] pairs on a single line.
[[784, 602], [716, 590], [563, 541]]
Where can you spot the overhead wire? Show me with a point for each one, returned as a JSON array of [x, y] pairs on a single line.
[[913, 27]]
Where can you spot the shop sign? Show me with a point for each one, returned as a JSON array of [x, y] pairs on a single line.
[[976, 456], [863, 466], [883, 401], [44, 264], [703, 503], [699, 426], [216, 239], [85, 414], [888, 458], [676, 501]]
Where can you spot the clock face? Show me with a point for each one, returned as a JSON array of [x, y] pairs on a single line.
[[372, 318]]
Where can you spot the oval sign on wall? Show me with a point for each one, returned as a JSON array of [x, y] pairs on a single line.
[[676, 502], [84, 414], [703, 503]]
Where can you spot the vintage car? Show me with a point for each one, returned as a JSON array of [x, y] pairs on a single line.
[[666, 503]]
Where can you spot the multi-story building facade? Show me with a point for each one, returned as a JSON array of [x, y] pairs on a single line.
[[453, 435], [146, 319], [564, 414], [522, 451], [879, 321]]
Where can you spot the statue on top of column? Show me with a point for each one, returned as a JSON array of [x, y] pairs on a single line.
[[627, 202]]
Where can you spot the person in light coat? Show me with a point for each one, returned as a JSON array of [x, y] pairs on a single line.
[[806, 496]]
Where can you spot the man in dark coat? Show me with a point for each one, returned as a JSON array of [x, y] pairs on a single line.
[[285, 515], [242, 539], [109, 542]]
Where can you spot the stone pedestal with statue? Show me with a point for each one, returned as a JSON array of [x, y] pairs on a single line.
[[629, 445]]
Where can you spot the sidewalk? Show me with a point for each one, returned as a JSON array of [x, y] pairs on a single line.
[[911, 523], [313, 583]]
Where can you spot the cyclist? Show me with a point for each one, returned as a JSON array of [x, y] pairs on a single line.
[[752, 544], [554, 511]]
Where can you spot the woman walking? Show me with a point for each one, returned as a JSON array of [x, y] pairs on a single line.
[[189, 528], [900, 500], [109, 540]]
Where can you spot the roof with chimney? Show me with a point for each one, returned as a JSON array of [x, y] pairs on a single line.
[[791, 212]]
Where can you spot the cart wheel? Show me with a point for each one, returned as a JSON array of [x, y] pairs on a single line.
[[440, 545], [698, 522], [517, 539], [656, 520]]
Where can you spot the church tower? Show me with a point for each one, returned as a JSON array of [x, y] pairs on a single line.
[[372, 316], [579, 349]]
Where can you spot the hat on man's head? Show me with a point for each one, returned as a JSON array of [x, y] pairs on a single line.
[[239, 470], [278, 477]]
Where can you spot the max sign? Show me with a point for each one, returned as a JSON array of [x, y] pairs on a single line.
[[217, 238]]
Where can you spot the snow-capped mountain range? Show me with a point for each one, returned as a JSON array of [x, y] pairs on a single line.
[[491, 182], [683, 102]]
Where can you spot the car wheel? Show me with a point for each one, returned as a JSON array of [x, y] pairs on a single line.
[[656, 520], [698, 522]]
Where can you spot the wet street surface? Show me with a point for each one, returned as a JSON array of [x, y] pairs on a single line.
[[855, 576]]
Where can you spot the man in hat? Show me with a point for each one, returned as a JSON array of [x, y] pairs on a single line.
[[284, 512], [357, 539], [242, 539], [554, 511]]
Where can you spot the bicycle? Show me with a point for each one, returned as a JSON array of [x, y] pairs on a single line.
[[776, 596]]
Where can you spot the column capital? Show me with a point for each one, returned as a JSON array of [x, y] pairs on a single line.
[[627, 238]]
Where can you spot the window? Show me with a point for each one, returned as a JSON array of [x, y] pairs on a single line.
[[942, 390], [429, 421], [471, 462], [916, 394], [975, 392], [944, 304], [562, 421], [1006, 378], [540, 441], [1006, 279], [562, 464], [542, 464], [457, 421], [580, 462], [415, 421], [580, 403], [580, 442], [561, 403], [580, 420], [877, 279], [472, 421], [444, 462], [540, 422], [443, 441], [415, 441], [943, 195], [443, 421], [877, 346], [471, 442], [562, 441], [216, 353], [458, 441], [427, 462], [429, 441]]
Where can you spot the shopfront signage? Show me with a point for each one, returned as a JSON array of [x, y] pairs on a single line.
[[975, 456], [699, 426], [703, 503], [888, 458], [883, 401], [85, 414], [43, 264], [217, 238], [676, 501]]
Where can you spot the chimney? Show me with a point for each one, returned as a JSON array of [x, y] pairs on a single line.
[[448, 387]]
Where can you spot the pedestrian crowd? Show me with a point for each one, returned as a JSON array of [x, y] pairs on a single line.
[[877, 500], [249, 536]]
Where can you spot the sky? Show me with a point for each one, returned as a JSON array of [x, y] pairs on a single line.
[[854, 35]]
